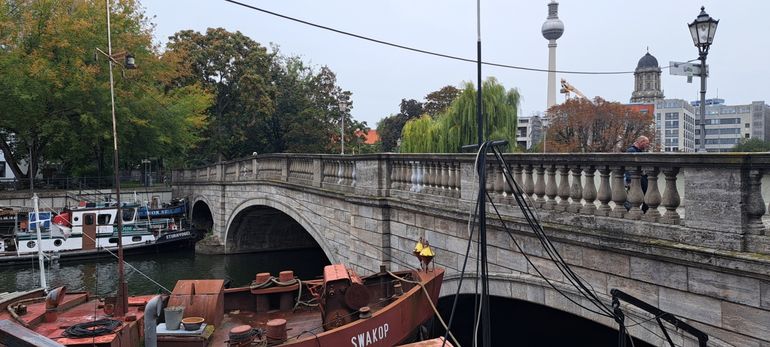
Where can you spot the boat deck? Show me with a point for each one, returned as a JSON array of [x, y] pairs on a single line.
[[301, 323], [78, 308]]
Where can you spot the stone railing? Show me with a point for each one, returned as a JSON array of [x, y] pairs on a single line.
[[709, 200]]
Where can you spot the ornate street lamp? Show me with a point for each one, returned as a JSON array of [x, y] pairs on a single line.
[[702, 30]]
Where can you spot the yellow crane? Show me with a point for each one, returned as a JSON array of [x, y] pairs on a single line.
[[567, 88]]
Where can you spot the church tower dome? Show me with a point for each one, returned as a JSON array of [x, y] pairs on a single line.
[[647, 88]]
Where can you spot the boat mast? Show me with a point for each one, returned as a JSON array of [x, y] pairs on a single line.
[[41, 263], [486, 339], [122, 300]]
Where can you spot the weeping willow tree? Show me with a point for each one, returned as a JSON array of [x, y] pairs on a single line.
[[457, 126]]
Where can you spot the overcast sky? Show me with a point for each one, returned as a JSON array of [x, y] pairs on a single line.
[[600, 35]]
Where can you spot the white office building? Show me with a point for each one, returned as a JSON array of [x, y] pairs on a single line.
[[675, 125], [529, 131], [728, 125]]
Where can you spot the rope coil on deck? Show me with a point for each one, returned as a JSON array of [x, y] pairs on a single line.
[[90, 329]]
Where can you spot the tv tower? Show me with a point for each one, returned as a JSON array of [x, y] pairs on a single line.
[[552, 29]]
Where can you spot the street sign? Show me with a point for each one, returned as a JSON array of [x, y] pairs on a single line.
[[685, 69]]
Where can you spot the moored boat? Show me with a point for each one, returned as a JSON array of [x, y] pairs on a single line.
[[342, 309], [90, 231]]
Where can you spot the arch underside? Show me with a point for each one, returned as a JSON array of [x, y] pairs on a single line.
[[640, 325]]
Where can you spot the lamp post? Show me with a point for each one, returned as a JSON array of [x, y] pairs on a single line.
[[702, 30], [121, 308], [343, 112]]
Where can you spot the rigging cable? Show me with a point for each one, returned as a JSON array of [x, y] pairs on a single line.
[[423, 51], [550, 249]]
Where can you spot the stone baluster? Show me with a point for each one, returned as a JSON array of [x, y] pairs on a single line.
[[540, 186], [353, 174], [652, 197], [563, 188], [576, 190], [412, 176], [457, 179], [435, 178], [508, 185], [755, 208], [426, 177], [529, 182], [497, 175], [394, 171], [419, 176], [618, 192], [340, 172], [635, 194], [551, 189], [589, 192], [490, 179], [405, 180], [518, 179], [671, 197], [445, 179]]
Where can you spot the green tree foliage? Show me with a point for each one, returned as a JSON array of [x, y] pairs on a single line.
[[752, 145], [457, 126], [389, 128], [55, 107], [264, 102], [435, 103]]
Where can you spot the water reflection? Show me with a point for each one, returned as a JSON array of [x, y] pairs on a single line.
[[100, 276]]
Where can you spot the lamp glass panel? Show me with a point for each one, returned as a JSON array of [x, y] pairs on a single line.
[[712, 31], [694, 33], [703, 33]]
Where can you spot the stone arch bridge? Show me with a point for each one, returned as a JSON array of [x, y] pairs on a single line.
[[702, 250]]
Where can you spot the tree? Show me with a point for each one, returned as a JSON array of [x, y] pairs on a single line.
[[389, 128], [752, 145], [457, 126], [437, 102], [580, 125], [236, 70], [56, 108]]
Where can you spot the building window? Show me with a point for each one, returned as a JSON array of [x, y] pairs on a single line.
[[2, 169], [747, 125]]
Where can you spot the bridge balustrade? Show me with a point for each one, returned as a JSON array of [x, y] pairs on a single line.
[[711, 200]]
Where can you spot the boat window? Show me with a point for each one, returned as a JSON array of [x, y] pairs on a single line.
[[136, 238], [104, 219], [88, 219], [30, 244], [57, 242], [113, 240], [128, 214]]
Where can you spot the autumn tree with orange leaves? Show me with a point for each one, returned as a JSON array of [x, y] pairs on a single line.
[[582, 125]]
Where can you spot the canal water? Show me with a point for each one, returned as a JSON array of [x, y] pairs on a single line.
[[152, 272]]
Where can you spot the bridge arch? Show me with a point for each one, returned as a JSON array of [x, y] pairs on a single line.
[[201, 215], [534, 292], [263, 202]]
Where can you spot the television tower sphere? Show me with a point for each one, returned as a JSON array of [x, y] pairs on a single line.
[[553, 27]]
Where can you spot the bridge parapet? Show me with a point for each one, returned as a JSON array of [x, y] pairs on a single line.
[[705, 200]]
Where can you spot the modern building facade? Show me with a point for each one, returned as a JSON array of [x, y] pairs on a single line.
[[675, 125], [529, 131], [728, 125]]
